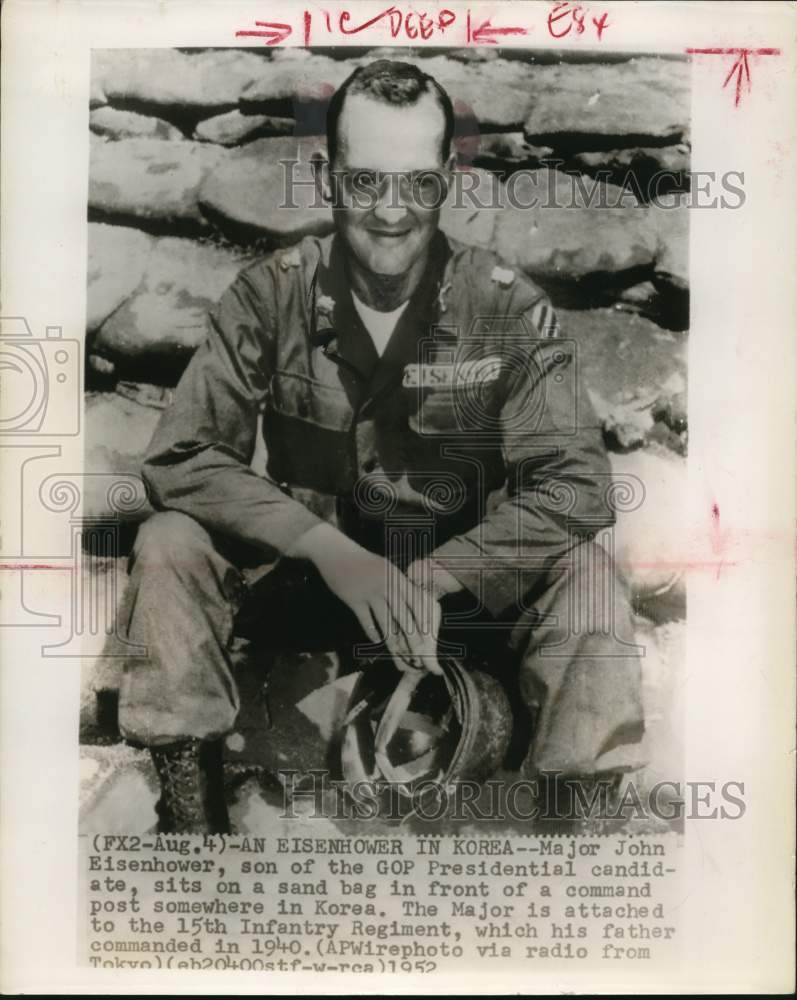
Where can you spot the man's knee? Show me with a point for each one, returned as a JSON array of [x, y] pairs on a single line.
[[589, 554], [583, 603], [170, 540], [589, 567]]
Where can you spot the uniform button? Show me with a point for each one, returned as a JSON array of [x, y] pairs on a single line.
[[369, 465]]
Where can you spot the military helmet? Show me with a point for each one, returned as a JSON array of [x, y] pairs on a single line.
[[415, 727]]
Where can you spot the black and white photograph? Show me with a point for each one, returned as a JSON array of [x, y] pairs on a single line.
[[397, 562], [397, 343]]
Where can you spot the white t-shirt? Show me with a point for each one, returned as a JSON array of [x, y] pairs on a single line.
[[379, 324]]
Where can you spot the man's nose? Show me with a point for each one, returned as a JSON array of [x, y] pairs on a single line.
[[390, 207]]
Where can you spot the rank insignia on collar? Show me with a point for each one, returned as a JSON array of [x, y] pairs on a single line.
[[291, 258], [503, 275]]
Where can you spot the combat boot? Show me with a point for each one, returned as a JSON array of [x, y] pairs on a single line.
[[192, 787]]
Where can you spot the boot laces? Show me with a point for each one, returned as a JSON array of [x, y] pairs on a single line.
[[181, 783]]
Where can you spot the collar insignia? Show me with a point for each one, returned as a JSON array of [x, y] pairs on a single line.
[[503, 275], [291, 258]]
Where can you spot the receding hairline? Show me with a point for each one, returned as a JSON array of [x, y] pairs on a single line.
[[373, 99], [382, 81]]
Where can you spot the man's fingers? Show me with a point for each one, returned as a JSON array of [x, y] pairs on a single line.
[[368, 624], [409, 625], [406, 618], [427, 613], [430, 660], [399, 628], [402, 617], [422, 617], [380, 613], [435, 613], [416, 616], [399, 642]]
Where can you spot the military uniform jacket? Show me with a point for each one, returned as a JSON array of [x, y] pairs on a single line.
[[472, 432]]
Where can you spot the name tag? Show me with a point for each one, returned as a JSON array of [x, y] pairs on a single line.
[[480, 372]]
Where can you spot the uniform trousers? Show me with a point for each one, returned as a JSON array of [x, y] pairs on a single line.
[[568, 652]]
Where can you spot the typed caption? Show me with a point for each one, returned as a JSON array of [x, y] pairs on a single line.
[[376, 904]]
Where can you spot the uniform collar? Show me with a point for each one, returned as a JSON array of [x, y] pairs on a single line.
[[337, 325]]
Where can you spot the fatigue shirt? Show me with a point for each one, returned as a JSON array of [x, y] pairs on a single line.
[[472, 430]]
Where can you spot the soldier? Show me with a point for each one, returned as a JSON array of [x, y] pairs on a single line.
[[429, 445]]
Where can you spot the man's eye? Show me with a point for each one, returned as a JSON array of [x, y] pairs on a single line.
[[429, 188], [364, 179]]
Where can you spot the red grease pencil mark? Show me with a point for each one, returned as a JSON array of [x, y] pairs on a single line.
[[676, 565], [573, 18], [483, 34], [274, 34], [720, 540], [345, 17], [740, 69], [728, 52], [416, 26], [720, 543], [308, 20], [22, 565]]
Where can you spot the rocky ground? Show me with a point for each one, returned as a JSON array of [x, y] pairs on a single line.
[[184, 191]]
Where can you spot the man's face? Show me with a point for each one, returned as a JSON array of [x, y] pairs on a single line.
[[388, 226]]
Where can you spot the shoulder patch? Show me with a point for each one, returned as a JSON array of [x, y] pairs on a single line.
[[291, 258], [503, 275], [544, 319]]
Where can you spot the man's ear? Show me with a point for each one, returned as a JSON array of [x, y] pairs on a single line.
[[322, 176], [449, 167]]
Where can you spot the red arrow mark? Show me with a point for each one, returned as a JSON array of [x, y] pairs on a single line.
[[740, 68], [483, 35], [742, 71], [274, 33]]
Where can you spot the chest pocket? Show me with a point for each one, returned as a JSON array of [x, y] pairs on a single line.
[[454, 398], [306, 427], [432, 412], [303, 398]]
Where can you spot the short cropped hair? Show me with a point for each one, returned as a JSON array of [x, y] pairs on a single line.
[[398, 83]]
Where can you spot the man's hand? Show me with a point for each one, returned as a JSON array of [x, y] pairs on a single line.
[[389, 606], [431, 575]]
